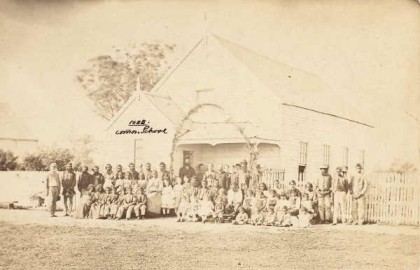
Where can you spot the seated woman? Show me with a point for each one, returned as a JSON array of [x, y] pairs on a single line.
[[83, 208]]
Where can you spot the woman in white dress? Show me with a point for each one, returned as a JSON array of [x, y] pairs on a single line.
[[154, 195]]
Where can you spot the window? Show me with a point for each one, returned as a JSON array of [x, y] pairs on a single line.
[[345, 156], [326, 158], [303, 153], [301, 173]]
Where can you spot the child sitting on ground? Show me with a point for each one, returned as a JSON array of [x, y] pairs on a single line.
[[283, 218], [304, 218], [206, 208], [258, 218], [241, 218], [270, 217]]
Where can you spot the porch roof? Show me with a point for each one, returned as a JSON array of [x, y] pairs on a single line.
[[222, 132]]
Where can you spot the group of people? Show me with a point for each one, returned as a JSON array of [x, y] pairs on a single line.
[[238, 197]]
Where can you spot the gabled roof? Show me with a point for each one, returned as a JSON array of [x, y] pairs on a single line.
[[291, 85], [294, 86]]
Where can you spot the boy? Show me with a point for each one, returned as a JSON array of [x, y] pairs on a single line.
[[219, 207], [141, 206]]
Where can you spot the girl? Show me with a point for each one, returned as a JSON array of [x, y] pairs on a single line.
[[177, 193], [206, 208], [168, 197], [258, 205], [183, 207]]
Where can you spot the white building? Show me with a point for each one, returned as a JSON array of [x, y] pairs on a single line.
[[285, 114]]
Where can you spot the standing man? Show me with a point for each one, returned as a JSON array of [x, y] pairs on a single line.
[[339, 190], [53, 187], [69, 183], [120, 170], [97, 177], [85, 179], [222, 177], [323, 188], [358, 188], [243, 176], [163, 173], [109, 177], [200, 174], [132, 174], [186, 170], [148, 171]]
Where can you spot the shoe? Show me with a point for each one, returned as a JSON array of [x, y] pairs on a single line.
[[354, 223], [53, 216], [333, 224]]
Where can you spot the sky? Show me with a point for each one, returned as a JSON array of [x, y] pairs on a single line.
[[367, 52]]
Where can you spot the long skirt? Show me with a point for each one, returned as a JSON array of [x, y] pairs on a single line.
[[154, 203], [83, 208]]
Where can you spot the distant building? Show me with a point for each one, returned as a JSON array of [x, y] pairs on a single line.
[[13, 136], [288, 115]]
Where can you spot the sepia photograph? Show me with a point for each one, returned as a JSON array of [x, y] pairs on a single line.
[[272, 134]]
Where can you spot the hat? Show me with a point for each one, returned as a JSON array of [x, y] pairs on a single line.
[[324, 167], [358, 165]]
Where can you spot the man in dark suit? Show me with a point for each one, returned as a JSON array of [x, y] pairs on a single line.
[[186, 170]]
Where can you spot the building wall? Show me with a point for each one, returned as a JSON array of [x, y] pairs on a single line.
[[317, 130], [121, 149]]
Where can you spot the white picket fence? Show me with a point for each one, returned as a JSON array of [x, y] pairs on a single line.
[[391, 198]]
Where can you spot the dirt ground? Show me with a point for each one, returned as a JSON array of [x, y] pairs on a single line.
[[33, 240]]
